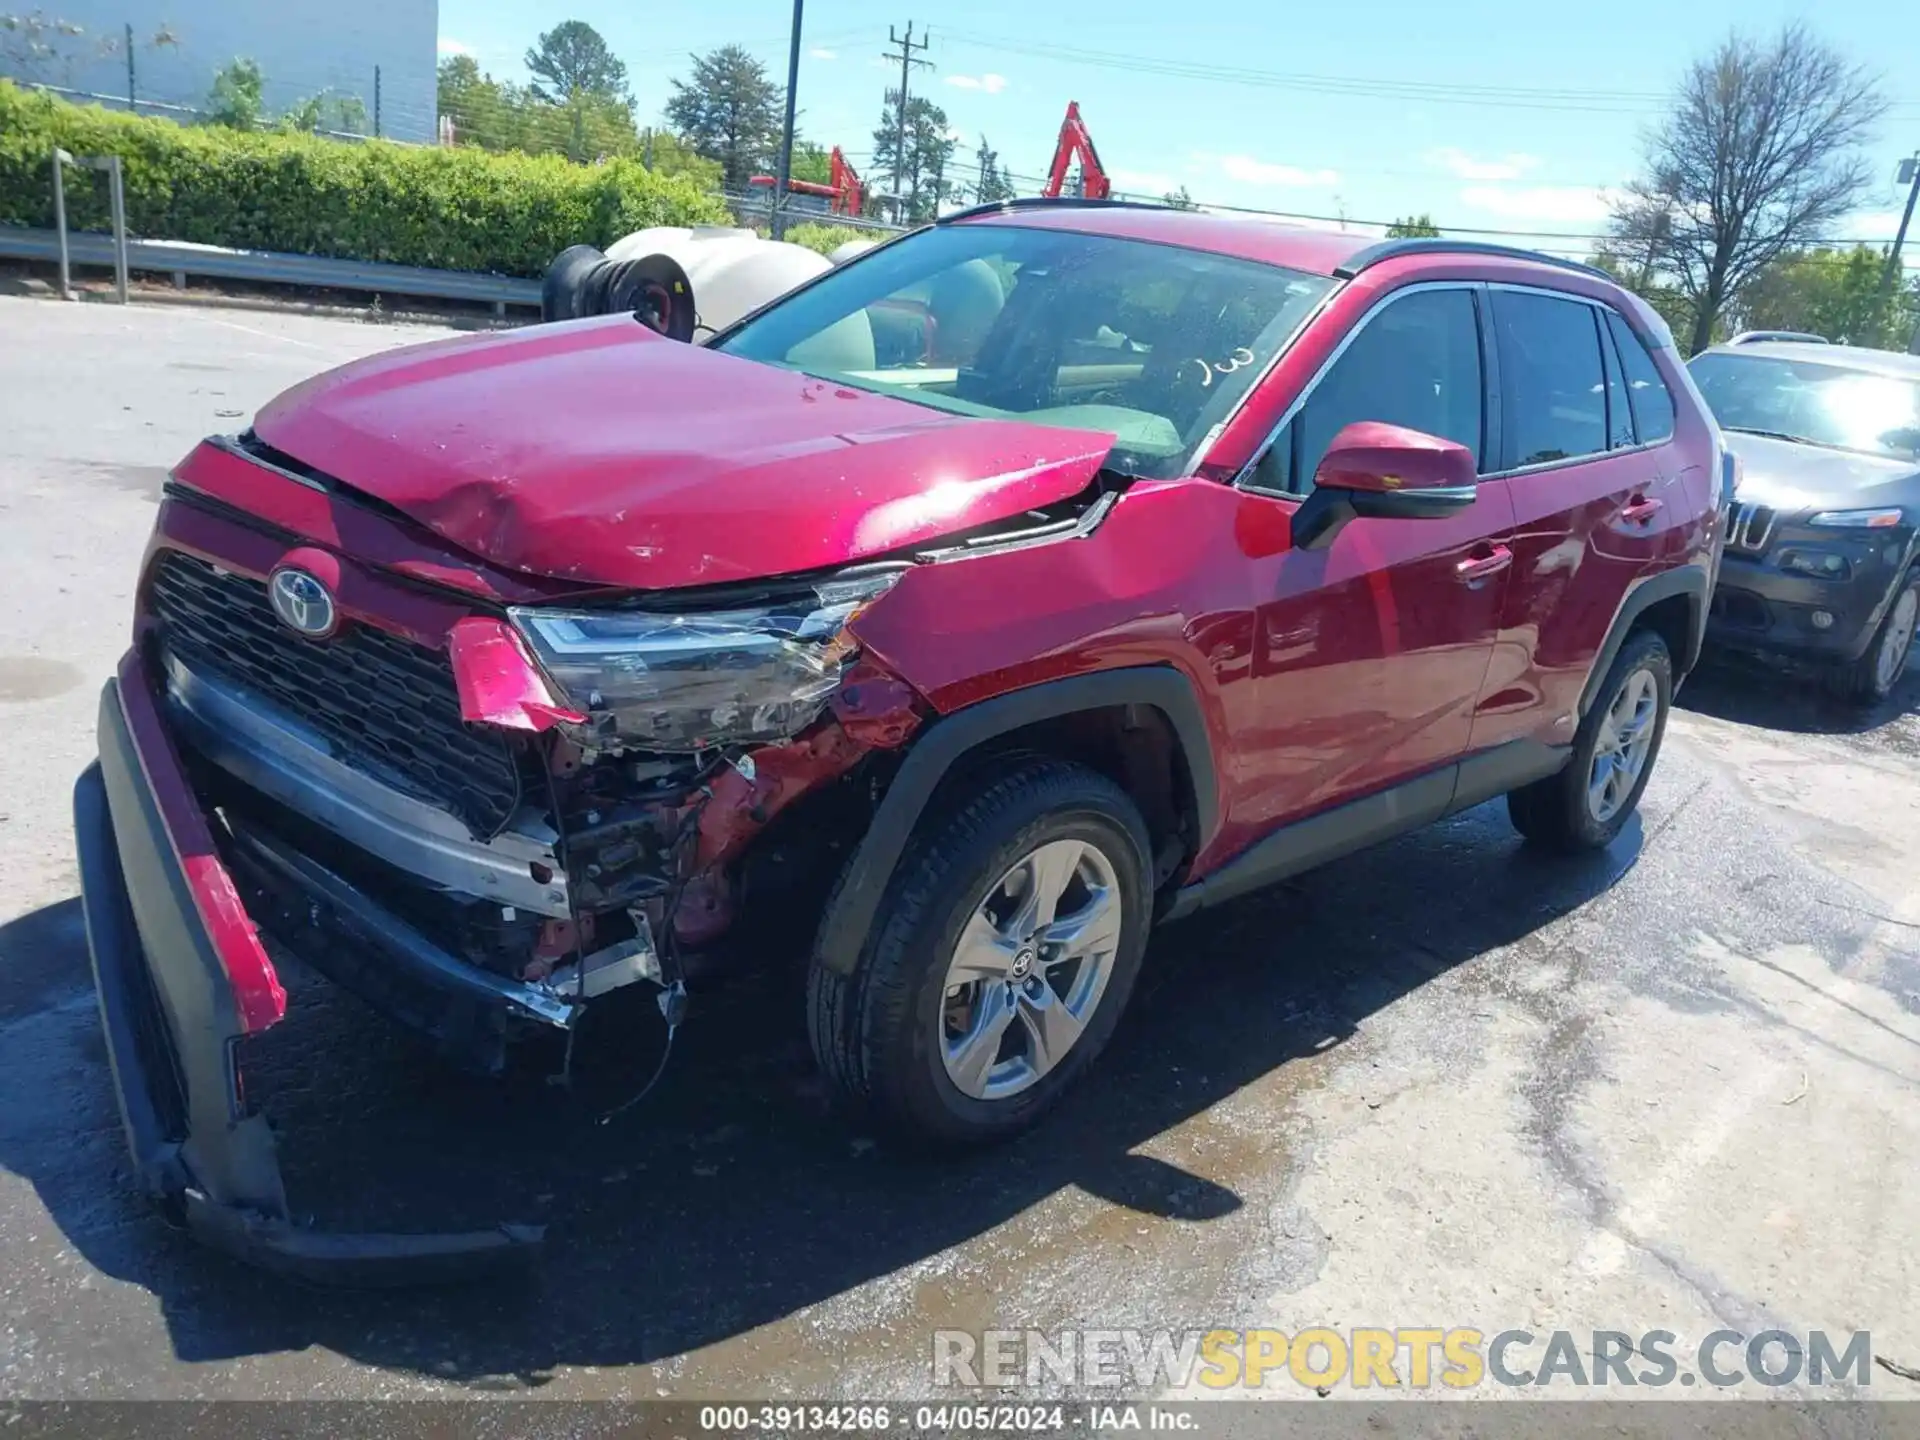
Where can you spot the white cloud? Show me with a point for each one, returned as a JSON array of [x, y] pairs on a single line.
[[1559, 204], [1876, 225], [451, 46], [1249, 171], [992, 84], [820, 52], [1469, 167]]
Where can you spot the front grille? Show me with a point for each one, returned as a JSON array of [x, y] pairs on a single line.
[[384, 705], [1752, 528]]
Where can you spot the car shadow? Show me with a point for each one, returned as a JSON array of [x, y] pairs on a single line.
[[732, 1197], [1776, 693]]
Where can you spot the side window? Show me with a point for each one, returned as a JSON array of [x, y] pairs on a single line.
[[1652, 401], [1553, 401], [1415, 362], [1619, 414]]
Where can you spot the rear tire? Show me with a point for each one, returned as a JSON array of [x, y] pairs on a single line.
[[920, 1056], [1878, 671], [1588, 803]]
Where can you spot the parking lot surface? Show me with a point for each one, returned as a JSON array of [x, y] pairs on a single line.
[[1443, 1083]]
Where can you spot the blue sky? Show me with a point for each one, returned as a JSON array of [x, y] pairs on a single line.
[[1488, 114]]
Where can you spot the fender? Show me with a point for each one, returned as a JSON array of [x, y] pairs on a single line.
[[1691, 580], [843, 930]]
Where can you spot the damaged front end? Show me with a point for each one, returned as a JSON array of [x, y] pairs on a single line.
[[480, 819]]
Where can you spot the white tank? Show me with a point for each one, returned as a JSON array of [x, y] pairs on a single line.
[[842, 253], [732, 271]]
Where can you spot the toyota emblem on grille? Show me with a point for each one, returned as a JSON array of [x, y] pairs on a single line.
[[303, 603]]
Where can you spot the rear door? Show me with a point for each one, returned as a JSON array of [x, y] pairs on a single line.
[[1593, 492], [1368, 655]]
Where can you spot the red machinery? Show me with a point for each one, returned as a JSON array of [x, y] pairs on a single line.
[[843, 194], [1076, 143]]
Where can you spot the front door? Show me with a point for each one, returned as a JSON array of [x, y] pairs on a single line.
[[1368, 656]]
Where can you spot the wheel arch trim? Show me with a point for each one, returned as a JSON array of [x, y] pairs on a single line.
[[1690, 582], [856, 900]]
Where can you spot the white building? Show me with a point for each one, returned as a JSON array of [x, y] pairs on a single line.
[[303, 47]]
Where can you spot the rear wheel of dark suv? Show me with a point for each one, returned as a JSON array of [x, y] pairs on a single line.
[[1872, 677], [1589, 802], [1000, 961]]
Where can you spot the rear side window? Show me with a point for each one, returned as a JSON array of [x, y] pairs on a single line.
[[1415, 362], [1619, 412], [1553, 384], [1652, 401]]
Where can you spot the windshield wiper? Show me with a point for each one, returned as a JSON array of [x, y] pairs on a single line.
[[1773, 435]]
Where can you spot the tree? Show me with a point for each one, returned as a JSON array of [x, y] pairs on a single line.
[[1179, 199], [922, 171], [571, 60], [1759, 154], [811, 163], [1835, 293], [327, 113], [729, 111], [235, 99], [1413, 227], [992, 182], [499, 115]]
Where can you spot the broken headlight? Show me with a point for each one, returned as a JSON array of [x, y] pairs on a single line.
[[689, 681]]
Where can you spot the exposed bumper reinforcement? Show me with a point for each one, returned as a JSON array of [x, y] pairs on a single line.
[[181, 979]]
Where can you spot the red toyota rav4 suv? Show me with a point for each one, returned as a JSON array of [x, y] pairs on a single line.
[[1050, 572]]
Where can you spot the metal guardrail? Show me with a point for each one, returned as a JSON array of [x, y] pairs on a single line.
[[180, 258]]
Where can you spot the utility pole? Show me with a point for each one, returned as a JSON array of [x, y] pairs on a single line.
[[907, 62], [1909, 176], [777, 221], [132, 103], [376, 102]]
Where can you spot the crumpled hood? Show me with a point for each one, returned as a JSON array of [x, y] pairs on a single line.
[[598, 451], [1789, 477]]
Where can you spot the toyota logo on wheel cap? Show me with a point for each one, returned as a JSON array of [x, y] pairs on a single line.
[[303, 603]]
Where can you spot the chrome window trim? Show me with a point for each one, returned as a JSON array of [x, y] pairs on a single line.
[[1243, 477]]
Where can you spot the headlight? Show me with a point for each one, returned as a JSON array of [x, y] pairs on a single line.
[[1857, 519], [684, 682]]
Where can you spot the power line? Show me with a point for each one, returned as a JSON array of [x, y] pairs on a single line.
[[1426, 91], [907, 61]]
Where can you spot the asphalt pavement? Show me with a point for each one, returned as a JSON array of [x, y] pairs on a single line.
[[1444, 1083]]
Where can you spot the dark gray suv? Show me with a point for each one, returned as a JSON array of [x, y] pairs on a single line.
[[1821, 549]]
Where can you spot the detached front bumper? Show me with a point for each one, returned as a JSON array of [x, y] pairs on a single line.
[[182, 978]]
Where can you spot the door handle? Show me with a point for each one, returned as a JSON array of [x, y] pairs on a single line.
[[1640, 509], [1479, 567]]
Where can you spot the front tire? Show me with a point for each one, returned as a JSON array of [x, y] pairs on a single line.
[[999, 962], [1589, 802], [1872, 677]]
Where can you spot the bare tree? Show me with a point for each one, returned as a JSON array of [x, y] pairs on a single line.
[[1760, 153]]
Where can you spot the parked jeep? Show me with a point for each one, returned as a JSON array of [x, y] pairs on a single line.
[[1179, 554], [1823, 551]]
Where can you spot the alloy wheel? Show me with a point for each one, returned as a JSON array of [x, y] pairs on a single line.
[[1622, 744], [1029, 969], [1892, 658]]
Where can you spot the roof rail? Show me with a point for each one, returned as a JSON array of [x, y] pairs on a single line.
[[1042, 202], [1754, 337], [1429, 245]]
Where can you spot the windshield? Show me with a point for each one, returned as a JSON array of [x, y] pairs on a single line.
[[1813, 402], [1152, 344]]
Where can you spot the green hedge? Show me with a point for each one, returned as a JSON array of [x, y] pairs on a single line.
[[458, 209], [828, 238]]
